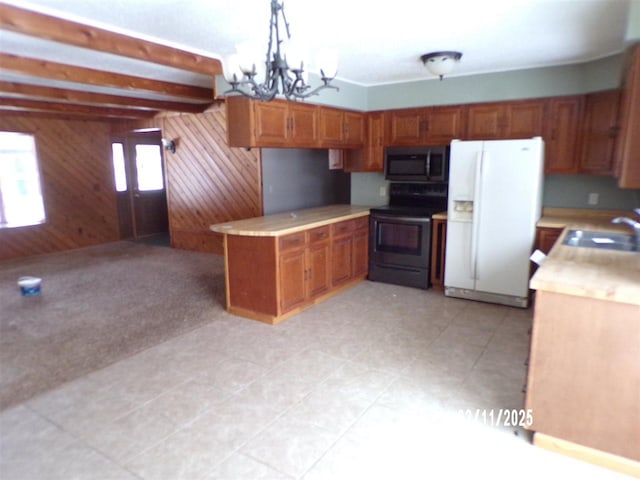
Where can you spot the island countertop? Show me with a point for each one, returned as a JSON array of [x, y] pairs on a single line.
[[589, 272], [291, 221]]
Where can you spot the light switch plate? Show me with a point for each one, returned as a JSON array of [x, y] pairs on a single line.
[[593, 199]]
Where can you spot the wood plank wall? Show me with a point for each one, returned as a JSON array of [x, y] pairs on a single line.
[[77, 182], [207, 182]]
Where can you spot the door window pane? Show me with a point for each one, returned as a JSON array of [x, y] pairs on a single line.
[[119, 171], [21, 201], [149, 167]]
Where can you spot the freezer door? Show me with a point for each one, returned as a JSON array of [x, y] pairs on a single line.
[[462, 179], [459, 263], [508, 207]]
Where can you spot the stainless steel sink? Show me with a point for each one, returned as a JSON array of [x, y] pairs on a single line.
[[604, 240]]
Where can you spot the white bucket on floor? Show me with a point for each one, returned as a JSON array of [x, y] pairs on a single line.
[[29, 286]]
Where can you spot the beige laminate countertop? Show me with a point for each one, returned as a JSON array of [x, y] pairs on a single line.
[[290, 222], [588, 272]]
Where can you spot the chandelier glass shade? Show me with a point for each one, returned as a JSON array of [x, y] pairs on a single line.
[[282, 73]]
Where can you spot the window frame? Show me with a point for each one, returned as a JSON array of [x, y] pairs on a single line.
[[38, 171]]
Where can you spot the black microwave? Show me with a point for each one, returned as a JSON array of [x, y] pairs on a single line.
[[416, 164]]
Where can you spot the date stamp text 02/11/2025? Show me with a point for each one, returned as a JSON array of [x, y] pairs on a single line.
[[500, 417]]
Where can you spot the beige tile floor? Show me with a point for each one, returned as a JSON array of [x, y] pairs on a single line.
[[366, 385]]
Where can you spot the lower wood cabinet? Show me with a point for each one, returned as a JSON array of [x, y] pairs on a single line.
[[349, 250], [546, 237], [271, 278], [304, 267], [438, 251]]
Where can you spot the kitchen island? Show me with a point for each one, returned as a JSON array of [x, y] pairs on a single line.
[[278, 265], [583, 385]]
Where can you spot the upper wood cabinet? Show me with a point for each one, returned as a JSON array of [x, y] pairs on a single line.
[[504, 120], [628, 142], [370, 158], [252, 123], [561, 133], [284, 124], [341, 128], [599, 131], [425, 126]]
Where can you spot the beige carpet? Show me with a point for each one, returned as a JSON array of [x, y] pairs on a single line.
[[98, 305]]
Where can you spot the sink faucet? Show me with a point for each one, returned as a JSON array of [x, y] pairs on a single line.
[[633, 224]]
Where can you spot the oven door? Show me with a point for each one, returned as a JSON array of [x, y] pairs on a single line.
[[397, 240]]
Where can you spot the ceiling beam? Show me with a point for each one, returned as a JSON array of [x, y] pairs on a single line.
[[28, 91], [36, 24], [21, 105], [71, 73]]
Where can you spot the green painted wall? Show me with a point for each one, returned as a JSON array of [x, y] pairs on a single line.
[[587, 77], [560, 190], [532, 83], [633, 24]]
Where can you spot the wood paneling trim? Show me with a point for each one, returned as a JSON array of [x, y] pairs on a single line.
[[44, 26], [71, 73]]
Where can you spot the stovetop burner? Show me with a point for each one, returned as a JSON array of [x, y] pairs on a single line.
[[407, 211], [415, 199]]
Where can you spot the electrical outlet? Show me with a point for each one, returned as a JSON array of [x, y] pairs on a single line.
[[383, 191], [593, 199]]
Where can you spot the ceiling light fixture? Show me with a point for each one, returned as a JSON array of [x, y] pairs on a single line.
[[441, 63], [284, 72]]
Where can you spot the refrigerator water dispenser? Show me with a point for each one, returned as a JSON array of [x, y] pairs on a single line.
[[462, 210]]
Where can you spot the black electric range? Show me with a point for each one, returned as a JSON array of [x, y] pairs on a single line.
[[400, 233]]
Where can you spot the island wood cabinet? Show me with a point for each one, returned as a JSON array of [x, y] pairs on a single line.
[[583, 383], [303, 267], [561, 134], [627, 163], [425, 126], [599, 132], [370, 158], [504, 120], [272, 277]]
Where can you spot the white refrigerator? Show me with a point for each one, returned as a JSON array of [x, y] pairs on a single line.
[[495, 200]]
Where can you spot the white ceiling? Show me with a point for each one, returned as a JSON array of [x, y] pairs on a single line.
[[377, 41]]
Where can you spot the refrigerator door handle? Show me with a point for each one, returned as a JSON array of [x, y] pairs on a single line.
[[476, 215]]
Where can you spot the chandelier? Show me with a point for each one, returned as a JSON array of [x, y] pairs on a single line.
[[282, 75]]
